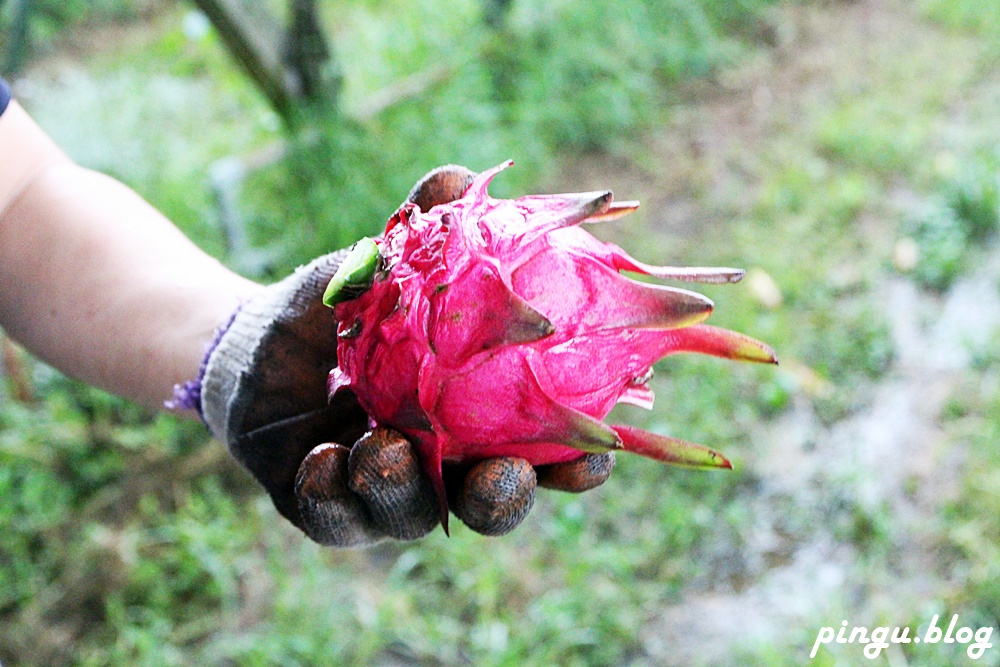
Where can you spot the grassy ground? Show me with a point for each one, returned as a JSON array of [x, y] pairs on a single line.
[[845, 153]]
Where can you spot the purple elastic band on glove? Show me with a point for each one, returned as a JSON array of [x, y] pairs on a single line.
[[187, 396]]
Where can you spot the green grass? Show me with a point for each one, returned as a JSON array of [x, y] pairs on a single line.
[[129, 538], [551, 80], [126, 531]]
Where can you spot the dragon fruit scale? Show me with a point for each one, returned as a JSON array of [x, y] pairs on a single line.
[[497, 327]]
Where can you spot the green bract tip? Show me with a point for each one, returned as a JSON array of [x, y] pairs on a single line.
[[355, 274]]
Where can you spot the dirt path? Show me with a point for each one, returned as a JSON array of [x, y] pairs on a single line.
[[887, 458]]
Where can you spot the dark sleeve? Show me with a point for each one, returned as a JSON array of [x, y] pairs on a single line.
[[4, 95]]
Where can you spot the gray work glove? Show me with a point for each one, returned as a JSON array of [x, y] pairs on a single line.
[[263, 391]]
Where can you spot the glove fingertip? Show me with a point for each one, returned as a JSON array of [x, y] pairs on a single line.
[[385, 474], [330, 514], [579, 475], [496, 495], [440, 186]]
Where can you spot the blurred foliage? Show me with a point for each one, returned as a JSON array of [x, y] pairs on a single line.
[[970, 532], [962, 215], [130, 539], [29, 26], [982, 18], [133, 543], [942, 242], [551, 78]]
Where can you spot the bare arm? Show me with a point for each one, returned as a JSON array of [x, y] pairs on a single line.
[[94, 280], [100, 285]]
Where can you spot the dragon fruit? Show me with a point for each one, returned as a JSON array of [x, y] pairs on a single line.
[[489, 327]]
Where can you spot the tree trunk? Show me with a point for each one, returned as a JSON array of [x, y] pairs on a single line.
[[289, 64], [17, 46]]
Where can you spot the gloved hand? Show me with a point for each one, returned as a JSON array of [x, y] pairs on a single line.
[[263, 392]]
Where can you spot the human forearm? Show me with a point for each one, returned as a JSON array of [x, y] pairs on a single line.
[[98, 283]]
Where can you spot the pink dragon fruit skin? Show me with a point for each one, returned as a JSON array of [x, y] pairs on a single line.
[[501, 328]]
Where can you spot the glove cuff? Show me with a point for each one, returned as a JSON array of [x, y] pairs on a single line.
[[274, 347], [187, 395]]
